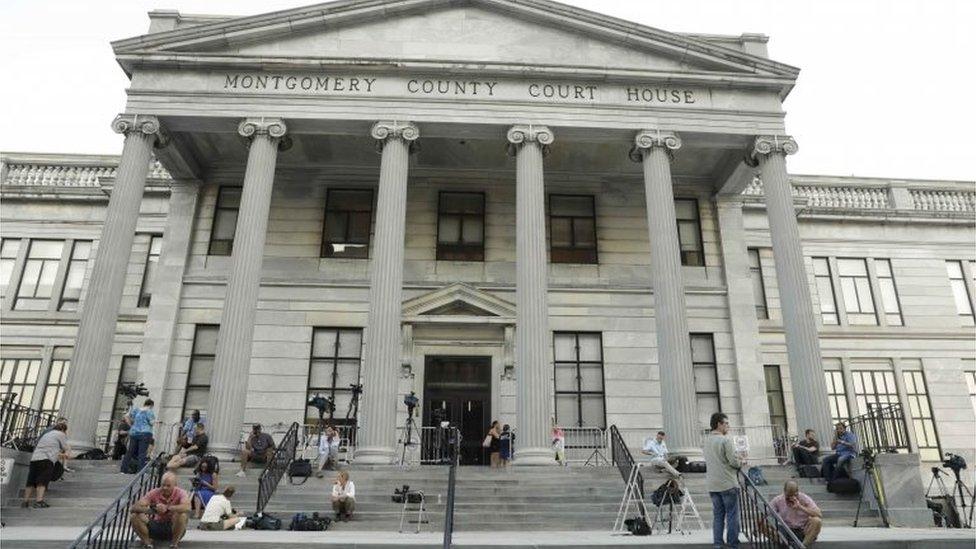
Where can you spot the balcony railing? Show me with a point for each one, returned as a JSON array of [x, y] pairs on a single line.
[[21, 426], [881, 429]]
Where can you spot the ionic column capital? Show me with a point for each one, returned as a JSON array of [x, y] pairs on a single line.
[[273, 128], [520, 134], [766, 145], [385, 130], [146, 124], [645, 140]]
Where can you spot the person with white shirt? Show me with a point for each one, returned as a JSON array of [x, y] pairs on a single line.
[[657, 451], [328, 450], [343, 496], [220, 514]]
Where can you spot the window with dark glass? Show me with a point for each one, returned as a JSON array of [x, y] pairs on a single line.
[[889, 292], [461, 226], [332, 370], [689, 232], [856, 290], [40, 272], [758, 284], [572, 229], [825, 290], [19, 376], [9, 248], [149, 273], [920, 410], [225, 220], [127, 374], [837, 396], [75, 276], [348, 220], [775, 397], [705, 369], [198, 379], [56, 378], [578, 363]]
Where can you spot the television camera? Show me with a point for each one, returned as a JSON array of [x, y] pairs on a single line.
[[411, 401], [131, 390]]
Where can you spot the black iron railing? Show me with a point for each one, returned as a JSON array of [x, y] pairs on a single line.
[[20, 426], [454, 454], [111, 528], [623, 459], [277, 466], [760, 524], [881, 429]]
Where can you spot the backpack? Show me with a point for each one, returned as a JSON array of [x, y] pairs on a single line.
[[693, 467], [667, 493], [262, 521], [302, 522], [844, 486], [756, 476], [93, 454], [808, 471], [637, 526], [299, 468]]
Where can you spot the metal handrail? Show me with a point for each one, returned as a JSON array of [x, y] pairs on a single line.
[[111, 528], [761, 525], [283, 455], [623, 459], [882, 429], [455, 455], [20, 426]]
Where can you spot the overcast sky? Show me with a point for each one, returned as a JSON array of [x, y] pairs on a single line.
[[886, 86]]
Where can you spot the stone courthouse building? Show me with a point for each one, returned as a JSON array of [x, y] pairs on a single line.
[[517, 209]]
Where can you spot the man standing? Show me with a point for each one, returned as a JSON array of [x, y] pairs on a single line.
[[657, 451], [805, 451], [258, 448], [161, 514], [140, 422], [799, 512], [845, 449], [722, 465], [51, 447], [192, 451]]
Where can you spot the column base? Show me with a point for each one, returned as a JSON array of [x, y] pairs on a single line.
[[374, 455], [535, 456], [692, 453], [224, 452]]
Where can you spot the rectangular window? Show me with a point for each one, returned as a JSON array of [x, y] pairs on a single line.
[[689, 232], [706, 377], [889, 292], [19, 376], [837, 396], [348, 220], [971, 385], [56, 379], [855, 287], [825, 291], [225, 220], [775, 397], [120, 405], [960, 292], [75, 276], [9, 248], [758, 284], [461, 226], [198, 379], [920, 408], [578, 371], [149, 273], [40, 271], [572, 229], [333, 369]]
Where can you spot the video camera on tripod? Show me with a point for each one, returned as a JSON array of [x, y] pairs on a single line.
[[955, 462], [131, 390], [411, 401], [323, 404]]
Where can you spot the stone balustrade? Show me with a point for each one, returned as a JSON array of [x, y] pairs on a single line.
[[37, 174], [877, 197], [943, 201]]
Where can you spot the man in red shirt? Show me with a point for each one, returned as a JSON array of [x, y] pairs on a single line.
[[161, 514], [799, 512]]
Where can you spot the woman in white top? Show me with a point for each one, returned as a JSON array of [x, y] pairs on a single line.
[[219, 506], [343, 496]]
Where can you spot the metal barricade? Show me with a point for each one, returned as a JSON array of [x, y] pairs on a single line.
[[586, 445], [881, 429], [425, 445], [347, 439], [20, 426]]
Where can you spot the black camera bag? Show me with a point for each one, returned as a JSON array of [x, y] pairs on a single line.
[[637, 526], [299, 468]]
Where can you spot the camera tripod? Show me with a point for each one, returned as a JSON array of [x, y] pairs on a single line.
[[959, 492], [876, 488], [353, 411], [409, 427]]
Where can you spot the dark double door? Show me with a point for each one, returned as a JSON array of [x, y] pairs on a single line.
[[458, 389]]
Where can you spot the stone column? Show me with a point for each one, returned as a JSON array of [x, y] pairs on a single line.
[[654, 150], [381, 367], [228, 389], [99, 314], [532, 338], [799, 322]]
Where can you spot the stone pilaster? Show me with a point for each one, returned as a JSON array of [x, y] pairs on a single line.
[[96, 330], [799, 322], [382, 354], [532, 337], [653, 149], [228, 390]]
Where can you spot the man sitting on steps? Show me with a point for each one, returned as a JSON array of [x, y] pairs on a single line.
[[799, 512], [657, 451], [258, 448], [845, 450], [161, 514]]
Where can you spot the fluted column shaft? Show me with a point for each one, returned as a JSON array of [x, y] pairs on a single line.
[[382, 354], [532, 338], [99, 313], [228, 389], [670, 318], [799, 322]]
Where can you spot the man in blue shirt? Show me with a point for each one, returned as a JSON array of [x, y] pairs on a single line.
[[657, 451], [140, 422], [189, 430], [845, 449]]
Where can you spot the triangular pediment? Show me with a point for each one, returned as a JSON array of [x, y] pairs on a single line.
[[458, 300], [528, 32]]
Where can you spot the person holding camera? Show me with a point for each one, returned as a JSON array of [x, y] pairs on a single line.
[[220, 514], [799, 512], [140, 421], [258, 448], [161, 514], [328, 449], [492, 443], [205, 483], [343, 496], [845, 450], [192, 453]]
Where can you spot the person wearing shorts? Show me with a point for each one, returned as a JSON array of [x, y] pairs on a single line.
[[258, 449], [194, 451], [49, 449], [161, 514]]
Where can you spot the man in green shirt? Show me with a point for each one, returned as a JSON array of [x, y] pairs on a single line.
[[722, 465]]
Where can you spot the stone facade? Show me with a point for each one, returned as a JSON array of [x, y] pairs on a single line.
[[442, 116]]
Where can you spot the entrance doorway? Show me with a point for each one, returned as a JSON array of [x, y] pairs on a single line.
[[460, 386]]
